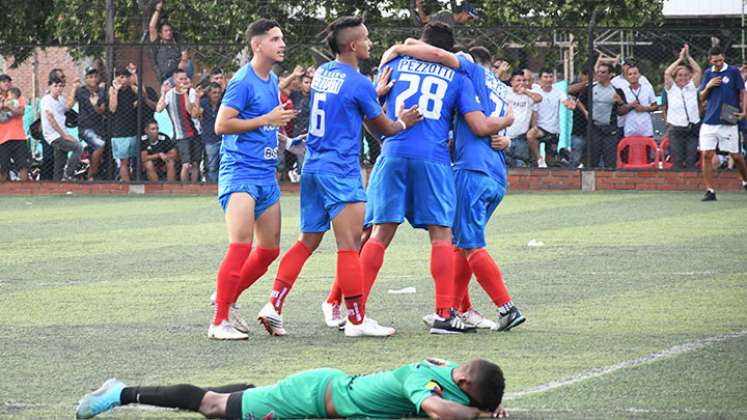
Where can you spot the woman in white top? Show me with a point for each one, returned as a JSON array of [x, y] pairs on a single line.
[[681, 80]]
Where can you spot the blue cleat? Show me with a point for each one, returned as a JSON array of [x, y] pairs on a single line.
[[103, 399]]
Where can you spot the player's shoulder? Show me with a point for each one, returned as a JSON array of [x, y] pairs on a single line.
[[434, 362]]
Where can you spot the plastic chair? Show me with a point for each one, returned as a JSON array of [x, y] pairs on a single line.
[[665, 164], [638, 153]]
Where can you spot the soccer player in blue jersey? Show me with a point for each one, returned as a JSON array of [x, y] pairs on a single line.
[[248, 119], [331, 187], [480, 168], [413, 178]]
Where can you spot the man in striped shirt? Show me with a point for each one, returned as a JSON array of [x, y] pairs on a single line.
[[179, 102]]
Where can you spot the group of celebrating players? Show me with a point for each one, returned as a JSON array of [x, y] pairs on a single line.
[[435, 92]]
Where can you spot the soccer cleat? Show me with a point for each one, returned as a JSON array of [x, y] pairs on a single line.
[[709, 196], [451, 325], [513, 318], [234, 315], [332, 315], [103, 399], [475, 319], [369, 328], [272, 320], [429, 320], [225, 331]]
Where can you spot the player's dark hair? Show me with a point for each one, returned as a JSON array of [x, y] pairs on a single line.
[[15, 91], [715, 51], [481, 55], [260, 27], [332, 32], [546, 70], [488, 384], [439, 35]]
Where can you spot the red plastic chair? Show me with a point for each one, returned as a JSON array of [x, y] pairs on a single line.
[[639, 149], [665, 164]]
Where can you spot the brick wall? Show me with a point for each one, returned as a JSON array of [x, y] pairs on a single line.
[[48, 59], [519, 180]]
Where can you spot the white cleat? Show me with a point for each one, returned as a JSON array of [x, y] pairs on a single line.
[[234, 315], [429, 319], [475, 319], [225, 331], [271, 320], [332, 315], [369, 328], [541, 163]]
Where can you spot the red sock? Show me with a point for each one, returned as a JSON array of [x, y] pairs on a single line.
[[288, 271], [442, 270], [489, 276], [372, 258], [228, 279], [335, 294], [254, 267], [350, 277], [462, 277]]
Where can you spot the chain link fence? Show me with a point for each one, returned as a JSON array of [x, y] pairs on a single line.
[[117, 139]]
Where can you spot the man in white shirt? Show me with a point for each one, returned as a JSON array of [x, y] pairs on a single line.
[[548, 117], [524, 105], [681, 80], [640, 103], [621, 82], [53, 110]]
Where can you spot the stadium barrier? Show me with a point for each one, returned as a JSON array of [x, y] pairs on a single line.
[[564, 50]]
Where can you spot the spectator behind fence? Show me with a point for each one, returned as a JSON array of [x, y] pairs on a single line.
[[179, 102], [53, 128], [13, 145], [207, 111], [91, 108], [722, 88], [460, 16], [168, 56], [122, 98], [502, 70], [217, 76], [604, 138], [548, 119], [681, 79], [524, 104], [301, 104], [620, 82], [640, 103], [158, 153]]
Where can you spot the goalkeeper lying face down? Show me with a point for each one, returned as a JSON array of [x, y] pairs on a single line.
[[432, 387]]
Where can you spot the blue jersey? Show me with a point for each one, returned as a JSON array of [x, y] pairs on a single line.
[[473, 152], [729, 92], [340, 98], [250, 156], [437, 90]]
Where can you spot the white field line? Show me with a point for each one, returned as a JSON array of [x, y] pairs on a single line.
[[669, 353]]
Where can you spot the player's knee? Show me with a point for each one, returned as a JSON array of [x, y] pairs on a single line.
[[311, 240], [439, 233], [213, 405]]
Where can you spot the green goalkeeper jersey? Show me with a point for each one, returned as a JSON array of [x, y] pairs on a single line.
[[396, 393]]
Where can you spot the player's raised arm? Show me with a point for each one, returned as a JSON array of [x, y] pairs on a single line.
[[418, 49]]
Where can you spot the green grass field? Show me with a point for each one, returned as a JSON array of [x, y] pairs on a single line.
[[95, 287]]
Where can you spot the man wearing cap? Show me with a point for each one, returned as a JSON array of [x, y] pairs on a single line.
[[620, 83], [461, 15], [90, 99]]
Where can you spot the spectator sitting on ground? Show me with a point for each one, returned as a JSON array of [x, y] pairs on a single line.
[[640, 103], [157, 151], [53, 127], [461, 16], [681, 80], [207, 111], [548, 119], [524, 107], [179, 102], [90, 99], [13, 145], [168, 56], [122, 98]]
